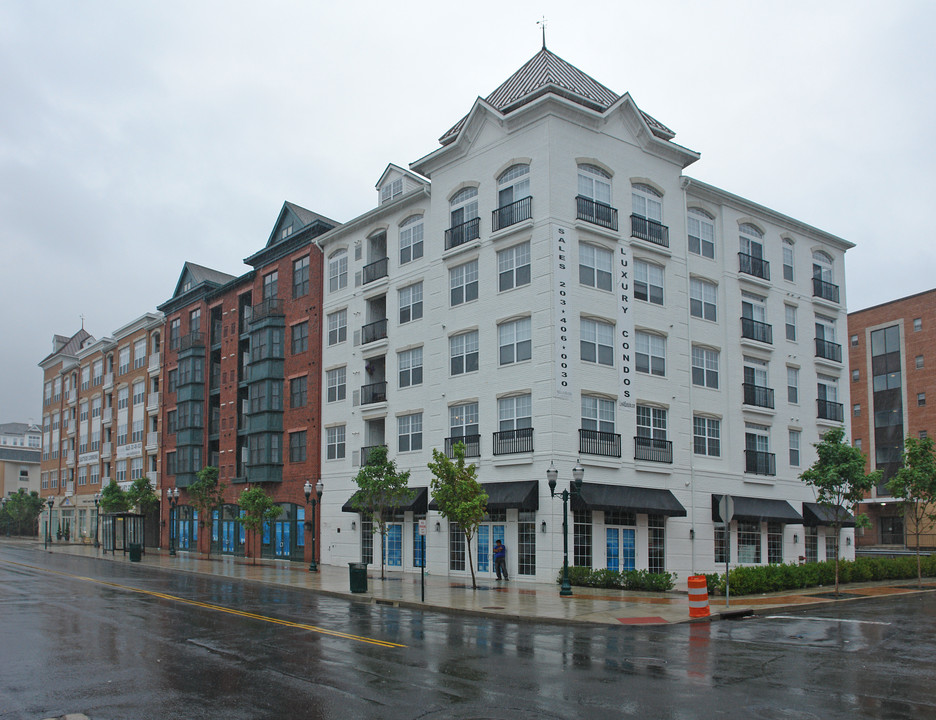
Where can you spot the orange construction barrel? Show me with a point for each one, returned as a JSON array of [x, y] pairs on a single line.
[[698, 597]]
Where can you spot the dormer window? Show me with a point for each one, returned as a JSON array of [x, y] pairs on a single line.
[[287, 231], [391, 190]]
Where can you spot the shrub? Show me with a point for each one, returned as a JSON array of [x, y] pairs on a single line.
[[623, 580]]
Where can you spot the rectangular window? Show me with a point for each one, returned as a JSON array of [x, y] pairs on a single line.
[[271, 285], [463, 352], [515, 412], [856, 375], [651, 422], [790, 314], [83, 411], [86, 377], [123, 397], [463, 425], [411, 303], [300, 338], [795, 436], [701, 234], [297, 446], [411, 367], [648, 282], [124, 360], [919, 362], [175, 333], [703, 299], [298, 391], [301, 277], [337, 327], [97, 374], [514, 341], [409, 432], [463, 283], [96, 407], [139, 353], [526, 543], [704, 367], [595, 266], [582, 538], [597, 414], [921, 399], [787, 261], [338, 271], [195, 321], [456, 547], [139, 392], [706, 436], [917, 324], [336, 384], [597, 342], [335, 442], [856, 410], [774, 542], [136, 434], [651, 353], [136, 468], [513, 267], [749, 542], [854, 341], [411, 239], [792, 385]]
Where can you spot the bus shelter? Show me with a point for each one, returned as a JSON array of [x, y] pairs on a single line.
[[122, 532]]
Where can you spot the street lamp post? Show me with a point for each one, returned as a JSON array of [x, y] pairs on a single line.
[[48, 525], [172, 495], [313, 501], [578, 472], [3, 502], [97, 519]]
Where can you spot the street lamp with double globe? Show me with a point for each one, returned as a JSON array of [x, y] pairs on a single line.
[[307, 488], [48, 525], [578, 473], [97, 519], [172, 495]]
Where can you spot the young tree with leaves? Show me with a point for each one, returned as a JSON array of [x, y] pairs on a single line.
[[20, 512], [839, 479], [259, 508], [381, 487], [141, 495], [207, 494], [915, 486], [114, 499], [459, 495]]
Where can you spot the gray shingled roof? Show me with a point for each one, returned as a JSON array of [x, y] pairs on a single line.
[[201, 274], [17, 428], [20, 455], [547, 72], [72, 346]]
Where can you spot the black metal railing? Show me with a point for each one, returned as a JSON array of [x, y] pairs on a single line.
[[756, 330], [192, 340], [750, 265], [365, 453], [758, 395], [512, 214], [374, 393], [472, 445], [513, 441], [827, 410], [649, 230], [596, 442], [376, 330], [653, 449], [825, 290], [828, 350], [375, 270], [759, 462], [596, 212], [460, 234], [271, 307]]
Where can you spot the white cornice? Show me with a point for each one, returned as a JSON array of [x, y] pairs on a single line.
[[372, 216]]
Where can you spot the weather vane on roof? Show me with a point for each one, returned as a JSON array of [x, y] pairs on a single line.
[[542, 24], [82, 320]]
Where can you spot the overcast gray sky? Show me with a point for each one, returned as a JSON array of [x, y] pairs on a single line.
[[137, 135]]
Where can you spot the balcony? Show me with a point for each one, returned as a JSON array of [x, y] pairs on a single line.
[[595, 442], [106, 450], [760, 463], [107, 417], [653, 449], [69, 426], [750, 265], [596, 213], [512, 214], [649, 230], [756, 330], [374, 331], [375, 270], [374, 393], [71, 396], [827, 410], [472, 445], [461, 234], [758, 395], [825, 290], [153, 478], [152, 401], [271, 307], [70, 457], [365, 453], [153, 362], [108, 380], [152, 440], [507, 442], [828, 350], [192, 340]]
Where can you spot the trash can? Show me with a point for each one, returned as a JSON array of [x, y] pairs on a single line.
[[357, 572], [136, 551]]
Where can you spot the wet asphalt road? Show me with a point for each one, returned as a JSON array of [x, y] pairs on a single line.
[[115, 640]]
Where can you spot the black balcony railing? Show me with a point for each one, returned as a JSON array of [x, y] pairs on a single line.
[[271, 307], [828, 350], [460, 234], [596, 212], [512, 214], [375, 270], [750, 265], [830, 410], [760, 463], [472, 445], [376, 330], [365, 453], [653, 449], [374, 393], [513, 441], [595, 442], [756, 330], [192, 340], [758, 395], [825, 290], [649, 230]]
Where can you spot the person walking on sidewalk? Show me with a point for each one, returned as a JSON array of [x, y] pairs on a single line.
[[500, 559]]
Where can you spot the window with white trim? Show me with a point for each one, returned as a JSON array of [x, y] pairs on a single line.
[[139, 353], [822, 266], [336, 384], [124, 360], [703, 299], [706, 436], [513, 267], [139, 392], [594, 184], [595, 266], [463, 353], [651, 422], [513, 185], [795, 436], [701, 233], [411, 239], [514, 340], [411, 367], [651, 353], [597, 414], [335, 442], [704, 367], [597, 342], [463, 283], [411, 303], [647, 202], [463, 420], [752, 241], [792, 383], [515, 412], [787, 259], [409, 432], [337, 270], [790, 320], [337, 327], [648, 282], [391, 190]]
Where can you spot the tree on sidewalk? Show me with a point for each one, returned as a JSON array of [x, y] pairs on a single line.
[[207, 494], [114, 499], [381, 487], [141, 495], [19, 513], [259, 508], [459, 495], [839, 479], [915, 486]]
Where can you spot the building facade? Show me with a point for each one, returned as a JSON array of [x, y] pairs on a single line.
[[891, 358], [22, 435], [549, 287]]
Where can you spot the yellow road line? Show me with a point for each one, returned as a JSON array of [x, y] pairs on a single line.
[[219, 608]]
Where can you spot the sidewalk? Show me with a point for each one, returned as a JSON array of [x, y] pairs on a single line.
[[506, 600]]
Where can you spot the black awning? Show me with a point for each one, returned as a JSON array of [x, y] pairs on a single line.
[[416, 504], [759, 509], [522, 495], [815, 514], [650, 501]]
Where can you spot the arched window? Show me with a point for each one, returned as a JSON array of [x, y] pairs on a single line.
[[465, 223], [594, 197], [647, 202], [514, 203], [411, 239], [337, 270], [822, 266], [752, 252], [701, 233]]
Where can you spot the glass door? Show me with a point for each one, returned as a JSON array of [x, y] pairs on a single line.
[[488, 533]]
